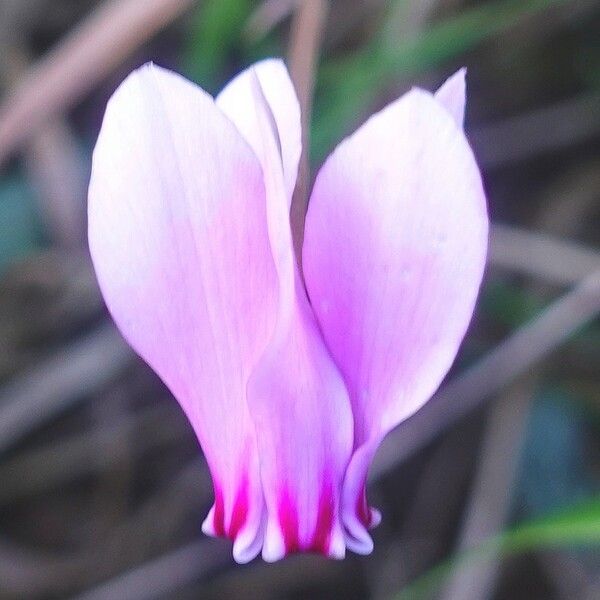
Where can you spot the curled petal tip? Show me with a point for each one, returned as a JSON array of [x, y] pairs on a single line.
[[247, 545], [360, 545], [375, 518], [337, 545], [243, 554], [274, 544], [357, 538], [272, 555], [244, 525], [208, 524]]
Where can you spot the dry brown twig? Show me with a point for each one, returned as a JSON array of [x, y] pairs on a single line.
[[429, 518], [541, 256], [163, 575], [87, 55], [527, 135], [266, 16], [306, 33], [489, 502]]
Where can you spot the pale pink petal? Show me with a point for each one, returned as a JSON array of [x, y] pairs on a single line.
[[178, 236], [237, 102], [296, 395], [394, 251], [452, 95]]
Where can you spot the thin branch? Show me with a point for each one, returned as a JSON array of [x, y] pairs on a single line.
[[548, 258], [266, 16], [62, 379], [511, 358], [527, 136], [489, 502], [163, 575], [570, 199], [429, 518], [307, 30], [87, 55]]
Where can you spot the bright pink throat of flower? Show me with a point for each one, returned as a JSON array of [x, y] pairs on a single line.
[[289, 391]]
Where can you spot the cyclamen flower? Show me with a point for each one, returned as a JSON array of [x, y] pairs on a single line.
[[290, 391]]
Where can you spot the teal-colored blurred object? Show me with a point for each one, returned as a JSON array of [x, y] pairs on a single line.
[[20, 229], [554, 467]]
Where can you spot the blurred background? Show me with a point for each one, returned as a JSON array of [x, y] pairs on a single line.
[[492, 491]]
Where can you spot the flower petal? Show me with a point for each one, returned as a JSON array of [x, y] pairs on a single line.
[[296, 395], [179, 240], [452, 95], [394, 251], [236, 101]]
